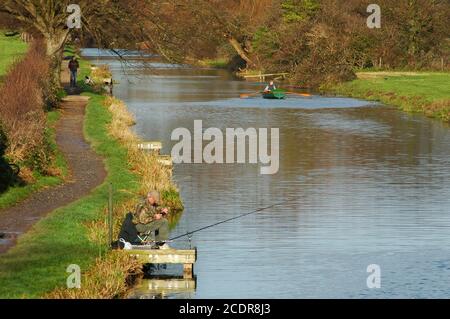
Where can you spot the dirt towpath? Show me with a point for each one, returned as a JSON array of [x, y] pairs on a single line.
[[86, 168]]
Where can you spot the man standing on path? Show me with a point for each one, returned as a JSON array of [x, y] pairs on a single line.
[[73, 67]]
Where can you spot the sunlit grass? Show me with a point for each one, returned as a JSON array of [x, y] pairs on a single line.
[[11, 49], [425, 92]]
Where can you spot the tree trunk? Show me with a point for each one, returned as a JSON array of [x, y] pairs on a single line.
[[240, 50], [54, 48], [55, 42]]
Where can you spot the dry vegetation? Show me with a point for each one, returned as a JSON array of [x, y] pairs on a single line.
[[22, 106], [153, 174], [100, 72], [22, 111], [105, 280]]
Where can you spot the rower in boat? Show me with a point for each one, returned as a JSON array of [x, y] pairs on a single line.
[[271, 87], [271, 92]]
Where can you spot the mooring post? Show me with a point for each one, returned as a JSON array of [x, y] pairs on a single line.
[[110, 217], [188, 271]]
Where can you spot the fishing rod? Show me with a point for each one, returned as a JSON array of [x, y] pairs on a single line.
[[232, 218]]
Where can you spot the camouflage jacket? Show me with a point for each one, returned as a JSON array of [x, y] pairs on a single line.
[[145, 212]]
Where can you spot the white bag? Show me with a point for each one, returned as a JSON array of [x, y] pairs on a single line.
[[126, 245]]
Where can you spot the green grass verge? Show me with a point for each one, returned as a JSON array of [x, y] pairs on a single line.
[[11, 49], [70, 50], [18, 193], [219, 63], [37, 264], [424, 92]]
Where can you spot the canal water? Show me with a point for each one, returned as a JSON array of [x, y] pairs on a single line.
[[368, 185]]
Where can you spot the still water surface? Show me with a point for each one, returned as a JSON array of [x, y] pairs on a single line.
[[371, 186]]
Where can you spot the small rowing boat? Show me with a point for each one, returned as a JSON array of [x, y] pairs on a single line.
[[274, 95]]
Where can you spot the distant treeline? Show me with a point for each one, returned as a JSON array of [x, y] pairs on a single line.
[[316, 41]]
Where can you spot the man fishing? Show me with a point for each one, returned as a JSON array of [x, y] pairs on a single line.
[[150, 217], [271, 87]]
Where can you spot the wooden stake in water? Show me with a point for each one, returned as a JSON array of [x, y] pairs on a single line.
[[110, 217]]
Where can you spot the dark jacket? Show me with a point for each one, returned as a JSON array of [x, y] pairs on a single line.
[[73, 65], [128, 230]]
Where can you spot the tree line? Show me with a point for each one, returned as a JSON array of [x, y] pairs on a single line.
[[316, 41]]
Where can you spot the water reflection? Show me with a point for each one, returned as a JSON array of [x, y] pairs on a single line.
[[164, 287]]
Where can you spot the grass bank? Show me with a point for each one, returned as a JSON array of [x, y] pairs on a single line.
[[11, 48], [218, 63], [77, 234], [418, 92]]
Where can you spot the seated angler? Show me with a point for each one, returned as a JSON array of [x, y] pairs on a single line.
[[149, 218]]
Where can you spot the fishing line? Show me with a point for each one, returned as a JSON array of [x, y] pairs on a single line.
[[233, 218]]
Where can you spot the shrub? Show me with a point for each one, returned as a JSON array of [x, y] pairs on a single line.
[[101, 72], [22, 105], [439, 109], [5, 174]]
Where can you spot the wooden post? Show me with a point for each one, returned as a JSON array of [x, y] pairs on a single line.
[[146, 255], [110, 216], [188, 271]]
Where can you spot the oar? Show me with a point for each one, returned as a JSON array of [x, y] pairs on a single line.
[[246, 96], [300, 94]]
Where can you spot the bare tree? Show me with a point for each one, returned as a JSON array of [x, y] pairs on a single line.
[[109, 22], [233, 21]]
